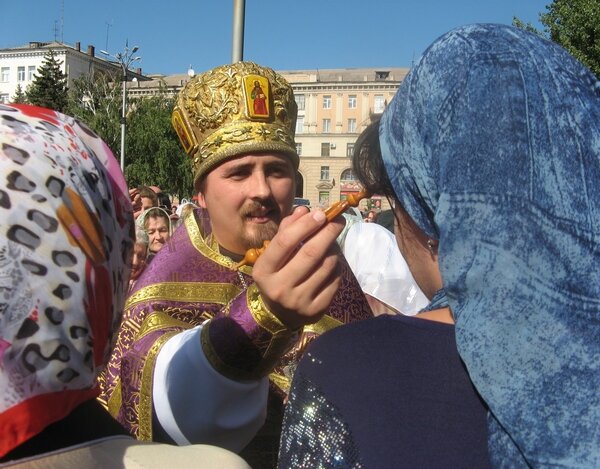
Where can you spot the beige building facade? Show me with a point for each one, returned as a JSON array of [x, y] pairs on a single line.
[[334, 107]]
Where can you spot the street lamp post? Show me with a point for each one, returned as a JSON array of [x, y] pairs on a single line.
[[125, 59]]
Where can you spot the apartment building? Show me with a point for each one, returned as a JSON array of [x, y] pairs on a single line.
[[334, 107], [18, 65]]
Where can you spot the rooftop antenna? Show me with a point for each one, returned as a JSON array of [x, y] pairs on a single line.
[[108, 25], [62, 21], [55, 30]]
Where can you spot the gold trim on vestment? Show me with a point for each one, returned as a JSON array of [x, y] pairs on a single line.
[[187, 292], [203, 245], [159, 320], [261, 314], [115, 400], [144, 409], [326, 323], [281, 381]]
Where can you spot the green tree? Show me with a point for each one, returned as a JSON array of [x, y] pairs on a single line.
[[49, 86], [19, 97], [575, 25], [153, 154], [96, 100], [526, 26]]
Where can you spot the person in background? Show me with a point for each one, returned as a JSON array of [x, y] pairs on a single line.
[[156, 223], [142, 198], [490, 153], [140, 257], [183, 210], [148, 198], [164, 201], [371, 216], [201, 335]]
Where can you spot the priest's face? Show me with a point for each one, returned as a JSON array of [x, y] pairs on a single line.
[[246, 199]]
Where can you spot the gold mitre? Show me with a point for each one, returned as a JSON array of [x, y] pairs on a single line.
[[232, 110]]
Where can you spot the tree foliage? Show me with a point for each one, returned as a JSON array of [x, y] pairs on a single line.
[[575, 25], [49, 85], [19, 97], [518, 23], [96, 100], [153, 153]]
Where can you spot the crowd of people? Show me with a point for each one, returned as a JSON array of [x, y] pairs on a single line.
[[459, 329]]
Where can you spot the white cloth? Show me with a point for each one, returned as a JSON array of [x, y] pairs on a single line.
[[125, 452], [381, 271], [196, 404]]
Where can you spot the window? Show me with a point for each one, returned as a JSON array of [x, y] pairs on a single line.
[[30, 72], [300, 102], [382, 75], [351, 125], [325, 146], [323, 198], [20, 73], [348, 175], [349, 149], [352, 101], [324, 173], [4, 74], [4, 98], [326, 126], [300, 125], [327, 102], [299, 149], [379, 104]]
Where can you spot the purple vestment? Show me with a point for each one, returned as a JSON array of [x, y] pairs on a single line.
[[187, 283]]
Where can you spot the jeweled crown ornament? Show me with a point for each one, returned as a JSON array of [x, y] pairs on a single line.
[[232, 110]]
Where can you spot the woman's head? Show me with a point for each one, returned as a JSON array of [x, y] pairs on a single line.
[[157, 225], [65, 242], [491, 145], [370, 170], [138, 262], [371, 216]]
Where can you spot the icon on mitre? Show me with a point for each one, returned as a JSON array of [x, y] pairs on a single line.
[[257, 96]]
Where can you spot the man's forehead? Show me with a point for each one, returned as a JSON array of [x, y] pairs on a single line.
[[256, 159]]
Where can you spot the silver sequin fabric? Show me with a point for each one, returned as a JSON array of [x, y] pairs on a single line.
[[314, 432]]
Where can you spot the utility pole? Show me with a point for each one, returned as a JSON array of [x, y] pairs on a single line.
[[239, 11], [125, 59]]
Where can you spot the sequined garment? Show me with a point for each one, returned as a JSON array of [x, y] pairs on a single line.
[[188, 282], [311, 421]]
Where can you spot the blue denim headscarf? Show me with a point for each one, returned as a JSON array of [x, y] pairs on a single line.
[[492, 144]]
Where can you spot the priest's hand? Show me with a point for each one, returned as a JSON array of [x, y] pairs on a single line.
[[299, 272]]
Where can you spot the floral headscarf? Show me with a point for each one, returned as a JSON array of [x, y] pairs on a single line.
[[492, 144], [65, 243]]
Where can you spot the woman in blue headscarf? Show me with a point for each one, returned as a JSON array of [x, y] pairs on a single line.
[[491, 152]]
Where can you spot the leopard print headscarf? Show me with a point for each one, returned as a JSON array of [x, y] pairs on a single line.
[[65, 246]]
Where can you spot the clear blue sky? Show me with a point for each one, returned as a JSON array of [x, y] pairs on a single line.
[[283, 34]]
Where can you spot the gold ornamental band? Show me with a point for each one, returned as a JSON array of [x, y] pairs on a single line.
[[198, 292]]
